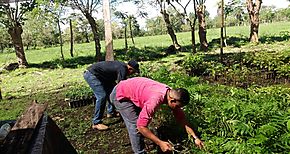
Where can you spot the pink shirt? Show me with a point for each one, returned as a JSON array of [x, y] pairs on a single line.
[[146, 94]]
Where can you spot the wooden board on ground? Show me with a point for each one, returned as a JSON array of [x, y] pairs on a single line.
[[19, 138], [30, 117]]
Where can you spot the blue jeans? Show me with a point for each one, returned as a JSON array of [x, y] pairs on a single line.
[[130, 112], [101, 96]]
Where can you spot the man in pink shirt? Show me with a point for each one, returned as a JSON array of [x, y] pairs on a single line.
[[137, 99]]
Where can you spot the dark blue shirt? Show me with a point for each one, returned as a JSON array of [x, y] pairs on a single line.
[[109, 72]]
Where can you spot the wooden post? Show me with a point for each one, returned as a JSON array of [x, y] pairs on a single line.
[[108, 31]]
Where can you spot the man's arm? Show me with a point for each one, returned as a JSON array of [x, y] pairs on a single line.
[[180, 117], [190, 131], [121, 74], [165, 146]]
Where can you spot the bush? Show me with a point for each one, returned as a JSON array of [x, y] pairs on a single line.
[[194, 64]]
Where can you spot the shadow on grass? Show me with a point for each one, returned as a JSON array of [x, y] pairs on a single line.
[[145, 54], [153, 53], [283, 36], [231, 41], [243, 40], [67, 63], [215, 43]]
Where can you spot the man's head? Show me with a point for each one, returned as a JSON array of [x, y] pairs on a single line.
[[177, 98], [133, 67]]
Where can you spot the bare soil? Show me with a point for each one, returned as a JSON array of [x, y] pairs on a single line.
[[76, 125]]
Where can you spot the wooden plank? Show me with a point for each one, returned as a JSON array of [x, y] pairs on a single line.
[[19, 138], [30, 117]]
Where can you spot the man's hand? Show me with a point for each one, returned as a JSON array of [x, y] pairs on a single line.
[[165, 146], [198, 143]]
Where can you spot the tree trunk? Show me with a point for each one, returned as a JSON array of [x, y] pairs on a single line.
[[170, 29], [1, 94], [222, 33], [71, 39], [253, 10], [131, 32], [93, 25], [15, 33], [125, 37], [202, 28], [60, 40], [87, 37], [192, 26], [225, 30], [225, 38], [108, 31]]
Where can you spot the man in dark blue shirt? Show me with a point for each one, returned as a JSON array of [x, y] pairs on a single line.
[[102, 77]]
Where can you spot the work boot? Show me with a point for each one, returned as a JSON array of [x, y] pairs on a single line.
[[109, 115], [116, 114], [100, 127]]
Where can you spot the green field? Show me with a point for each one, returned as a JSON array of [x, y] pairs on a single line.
[[231, 119]]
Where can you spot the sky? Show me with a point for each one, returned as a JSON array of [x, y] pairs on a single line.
[[211, 6]]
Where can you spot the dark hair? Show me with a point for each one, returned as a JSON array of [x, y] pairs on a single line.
[[183, 95], [134, 64]]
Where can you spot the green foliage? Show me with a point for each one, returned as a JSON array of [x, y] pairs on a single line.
[[246, 117], [22, 7], [241, 69], [194, 64], [79, 92], [232, 120]]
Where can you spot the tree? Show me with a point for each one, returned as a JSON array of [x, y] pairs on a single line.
[[123, 17], [200, 11], [5, 39], [130, 20], [108, 31], [283, 14], [71, 38], [222, 31], [31, 30], [267, 14], [163, 10], [13, 18], [156, 26], [253, 10], [135, 26], [57, 15], [190, 21], [236, 9], [80, 27], [54, 10], [39, 29], [0, 94], [87, 8], [116, 30]]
